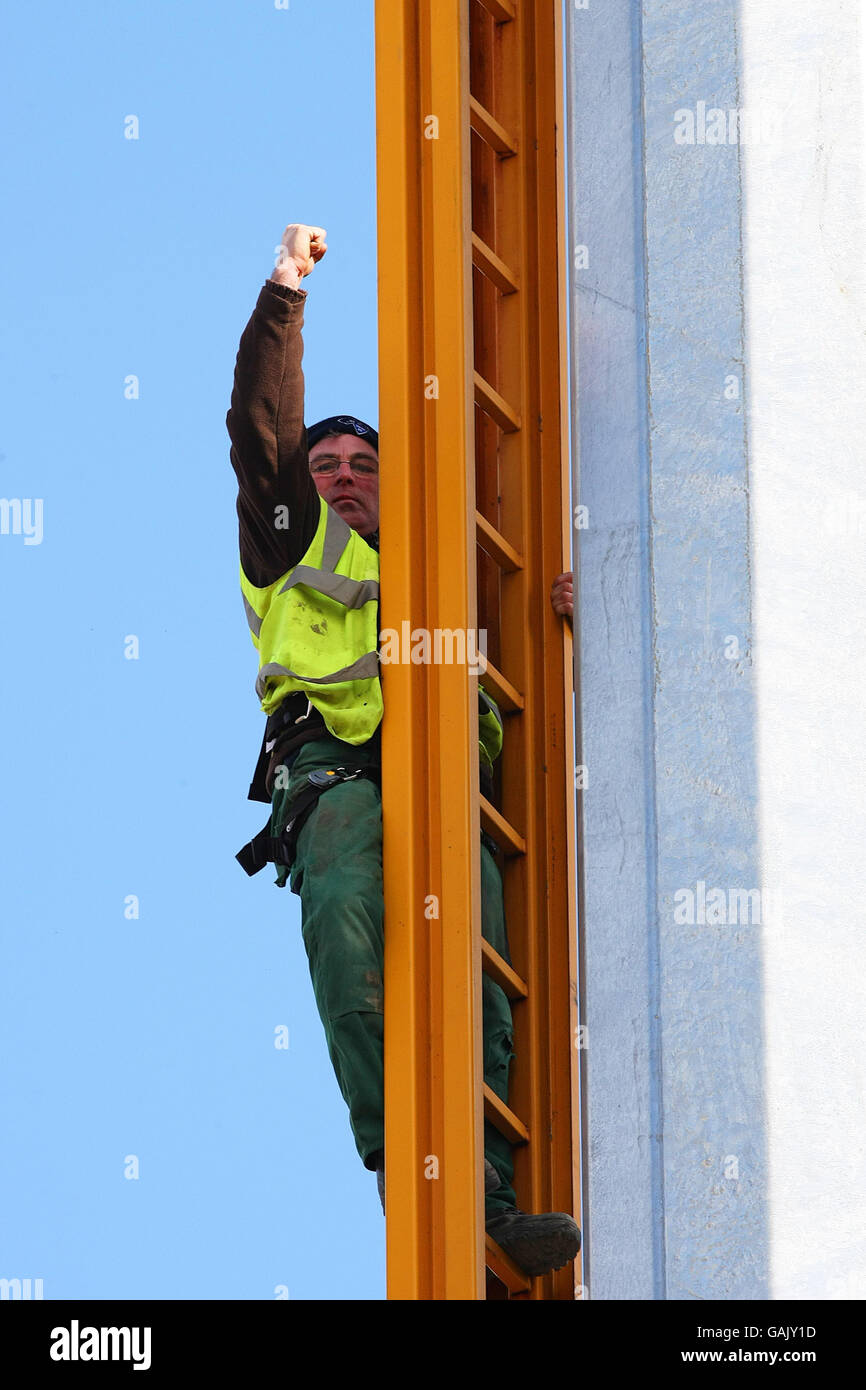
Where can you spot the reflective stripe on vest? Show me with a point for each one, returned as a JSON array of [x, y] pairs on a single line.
[[365, 666], [312, 616], [352, 593], [489, 728], [353, 712]]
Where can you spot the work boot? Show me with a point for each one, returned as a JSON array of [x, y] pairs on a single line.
[[537, 1243]]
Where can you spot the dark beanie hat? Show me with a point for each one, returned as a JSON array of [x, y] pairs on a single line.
[[341, 424]]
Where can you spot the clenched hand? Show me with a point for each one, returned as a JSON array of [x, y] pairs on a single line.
[[299, 250]]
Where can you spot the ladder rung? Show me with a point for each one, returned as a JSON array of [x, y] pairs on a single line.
[[505, 1120], [507, 697], [495, 544], [502, 10], [498, 828], [495, 269], [487, 126], [495, 405], [506, 1271], [501, 972]]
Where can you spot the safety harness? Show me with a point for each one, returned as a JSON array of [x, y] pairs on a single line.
[[288, 720], [266, 848], [294, 715]]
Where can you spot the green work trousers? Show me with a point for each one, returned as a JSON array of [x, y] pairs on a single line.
[[337, 873]]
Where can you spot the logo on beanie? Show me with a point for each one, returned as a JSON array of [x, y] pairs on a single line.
[[356, 424]]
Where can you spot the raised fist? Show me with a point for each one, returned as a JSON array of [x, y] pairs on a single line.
[[298, 252]]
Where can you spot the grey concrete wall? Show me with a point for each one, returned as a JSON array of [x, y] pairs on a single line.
[[722, 891], [624, 1240]]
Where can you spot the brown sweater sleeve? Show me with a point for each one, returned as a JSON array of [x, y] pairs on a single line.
[[269, 438]]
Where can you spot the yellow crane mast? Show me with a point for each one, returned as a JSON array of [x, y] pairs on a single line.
[[475, 525]]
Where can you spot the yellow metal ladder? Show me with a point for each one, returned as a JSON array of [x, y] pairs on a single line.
[[474, 525]]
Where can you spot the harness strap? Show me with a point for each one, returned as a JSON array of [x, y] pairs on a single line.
[[294, 710], [266, 848]]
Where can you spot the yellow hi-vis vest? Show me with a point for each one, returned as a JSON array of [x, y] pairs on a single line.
[[316, 630], [489, 729]]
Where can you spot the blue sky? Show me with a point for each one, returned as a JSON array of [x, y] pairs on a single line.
[[155, 1037]]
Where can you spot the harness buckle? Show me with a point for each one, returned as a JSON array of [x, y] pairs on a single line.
[[324, 777]]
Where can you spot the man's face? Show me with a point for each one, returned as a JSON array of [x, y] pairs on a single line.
[[345, 469]]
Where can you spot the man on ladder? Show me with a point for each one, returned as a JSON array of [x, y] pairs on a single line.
[[308, 510]]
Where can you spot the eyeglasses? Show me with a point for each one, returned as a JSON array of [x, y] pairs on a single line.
[[361, 464]]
